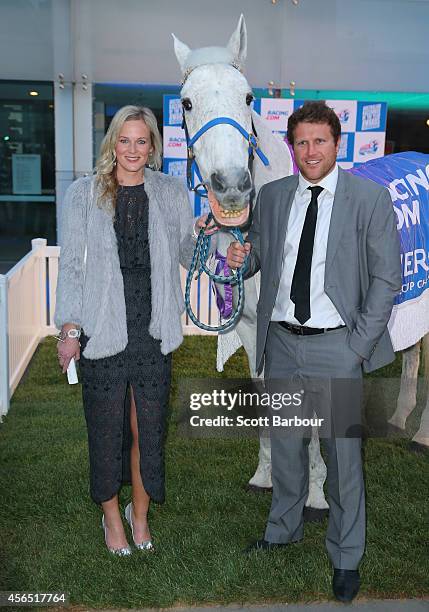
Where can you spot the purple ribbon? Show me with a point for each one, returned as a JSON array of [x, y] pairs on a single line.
[[295, 167], [224, 303]]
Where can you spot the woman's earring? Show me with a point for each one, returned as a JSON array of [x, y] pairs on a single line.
[[114, 159]]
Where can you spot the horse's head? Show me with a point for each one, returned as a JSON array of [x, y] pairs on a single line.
[[214, 87]]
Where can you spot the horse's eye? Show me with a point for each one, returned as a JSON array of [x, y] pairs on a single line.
[[187, 104], [249, 99]]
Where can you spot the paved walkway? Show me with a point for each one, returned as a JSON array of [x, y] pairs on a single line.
[[375, 605]]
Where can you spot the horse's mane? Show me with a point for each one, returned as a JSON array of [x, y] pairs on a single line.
[[277, 152]]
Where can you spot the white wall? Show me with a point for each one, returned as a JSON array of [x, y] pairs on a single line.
[[330, 44], [26, 35], [380, 45]]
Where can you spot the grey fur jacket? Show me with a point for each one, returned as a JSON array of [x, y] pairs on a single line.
[[90, 290]]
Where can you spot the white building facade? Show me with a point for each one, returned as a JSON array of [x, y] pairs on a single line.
[[84, 58]]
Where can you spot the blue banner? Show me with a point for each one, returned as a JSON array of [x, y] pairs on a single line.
[[406, 175]]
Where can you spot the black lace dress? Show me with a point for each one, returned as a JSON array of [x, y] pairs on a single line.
[[141, 366]]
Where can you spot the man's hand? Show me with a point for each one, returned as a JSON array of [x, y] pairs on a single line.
[[236, 254], [201, 222]]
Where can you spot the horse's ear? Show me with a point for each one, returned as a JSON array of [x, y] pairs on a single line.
[[182, 51], [238, 42]]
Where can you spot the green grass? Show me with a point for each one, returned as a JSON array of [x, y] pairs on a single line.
[[50, 530]]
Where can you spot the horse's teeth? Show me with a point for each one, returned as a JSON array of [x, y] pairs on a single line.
[[230, 213]]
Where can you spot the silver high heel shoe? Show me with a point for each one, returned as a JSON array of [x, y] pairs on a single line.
[[146, 544], [119, 552]]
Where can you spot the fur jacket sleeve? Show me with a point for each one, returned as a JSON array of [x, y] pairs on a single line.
[[90, 289]]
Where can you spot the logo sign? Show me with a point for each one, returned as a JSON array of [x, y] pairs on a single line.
[[406, 175], [344, 115], [342, 150], [177, 168], [371, 117], [175, 111], [276, 113], [369, 148], [346, 111], [174, 142], [345, 150]]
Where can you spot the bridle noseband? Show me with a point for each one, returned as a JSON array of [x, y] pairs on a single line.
[[192, 166]]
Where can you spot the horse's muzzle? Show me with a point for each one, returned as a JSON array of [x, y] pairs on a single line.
[[232, 190], [224, 217]]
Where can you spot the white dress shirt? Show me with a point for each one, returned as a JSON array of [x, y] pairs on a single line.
[[323, 312]]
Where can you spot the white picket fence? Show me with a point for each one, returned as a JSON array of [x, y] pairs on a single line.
[[27, 306], [27, 302]]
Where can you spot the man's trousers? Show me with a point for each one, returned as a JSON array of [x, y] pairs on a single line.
[[329, 373]]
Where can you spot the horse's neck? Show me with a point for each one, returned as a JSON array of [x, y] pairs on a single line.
[[277, 152]]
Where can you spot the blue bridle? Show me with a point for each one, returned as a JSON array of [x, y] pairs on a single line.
[[202, 248], [192, 165]]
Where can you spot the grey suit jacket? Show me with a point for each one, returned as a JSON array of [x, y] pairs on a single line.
[[362, 270]]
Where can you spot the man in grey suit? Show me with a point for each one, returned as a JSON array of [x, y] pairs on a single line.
[[327, 248]]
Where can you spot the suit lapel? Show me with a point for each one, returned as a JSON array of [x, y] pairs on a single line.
[[340, 213], [285, 200]]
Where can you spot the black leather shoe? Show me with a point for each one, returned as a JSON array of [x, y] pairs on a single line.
[[266, 546], [315, 515], [345, 584]]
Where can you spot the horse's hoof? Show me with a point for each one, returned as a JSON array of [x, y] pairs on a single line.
[[315, 515], [254, 489], [416, 447]]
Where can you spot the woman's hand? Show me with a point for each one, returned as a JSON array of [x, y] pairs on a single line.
[[67, 349]]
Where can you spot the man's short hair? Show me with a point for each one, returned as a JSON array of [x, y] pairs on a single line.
[[314, 111]]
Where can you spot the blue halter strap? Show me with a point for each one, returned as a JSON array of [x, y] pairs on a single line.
[[192, 165], [202, 248]]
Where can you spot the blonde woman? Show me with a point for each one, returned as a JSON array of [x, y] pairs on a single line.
[[123, 233]]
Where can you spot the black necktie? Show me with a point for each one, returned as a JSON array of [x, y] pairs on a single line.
[[300, 289]]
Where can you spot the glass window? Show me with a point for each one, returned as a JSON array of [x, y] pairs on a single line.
[[110, 97], [27, 168], [407, 130]]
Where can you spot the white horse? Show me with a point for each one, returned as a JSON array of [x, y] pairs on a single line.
[[214, 86], [408, 393]]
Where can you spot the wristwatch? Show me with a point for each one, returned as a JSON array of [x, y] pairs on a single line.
[[71, 333]]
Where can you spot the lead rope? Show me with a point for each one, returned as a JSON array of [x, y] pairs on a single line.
[[202, 248], [199, 265]]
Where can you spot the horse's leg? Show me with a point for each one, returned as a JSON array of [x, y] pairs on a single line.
[[261, 479], [316, 506], [421, 438], [407, 394], [246, 329]]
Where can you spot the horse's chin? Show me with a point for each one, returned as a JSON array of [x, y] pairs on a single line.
[[228, 217]]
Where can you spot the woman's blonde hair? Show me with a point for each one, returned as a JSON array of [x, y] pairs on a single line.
[[106, 163]]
